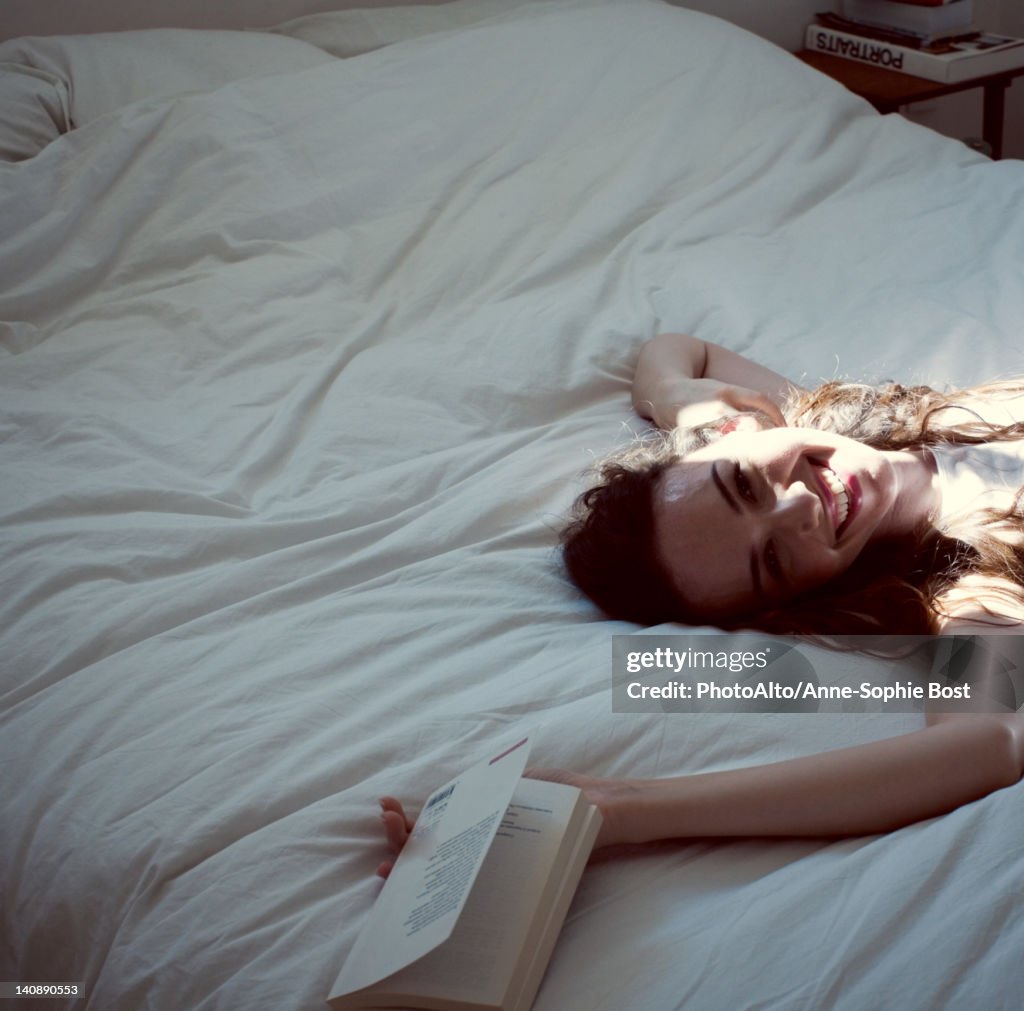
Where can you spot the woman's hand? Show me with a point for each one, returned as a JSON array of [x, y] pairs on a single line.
[[397, 826], [691, 403], [682, 381], [614, 797]]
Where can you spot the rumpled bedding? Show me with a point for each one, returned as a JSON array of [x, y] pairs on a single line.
[[300, 377]]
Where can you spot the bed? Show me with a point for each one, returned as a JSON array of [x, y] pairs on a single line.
[[301, 372]]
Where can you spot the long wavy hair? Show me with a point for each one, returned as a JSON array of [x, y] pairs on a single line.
[[894, 587]]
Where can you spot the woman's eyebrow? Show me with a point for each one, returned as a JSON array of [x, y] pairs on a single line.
[[720, 484]]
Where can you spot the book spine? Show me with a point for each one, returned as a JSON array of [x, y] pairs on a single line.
[[876, 53]]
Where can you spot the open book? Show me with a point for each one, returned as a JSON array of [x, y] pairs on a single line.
[[469, 915]]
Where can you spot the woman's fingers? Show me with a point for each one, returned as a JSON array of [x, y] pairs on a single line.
[[741, 423], [391, 804], [742, 399], [774, 412], [394, 830], [397, 825]]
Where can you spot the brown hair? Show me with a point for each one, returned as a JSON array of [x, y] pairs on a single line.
[[893, 586]]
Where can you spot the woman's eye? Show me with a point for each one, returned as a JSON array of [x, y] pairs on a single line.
[[771, 561], [743, 485]]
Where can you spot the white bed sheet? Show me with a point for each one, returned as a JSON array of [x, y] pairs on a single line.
[[302, 375]]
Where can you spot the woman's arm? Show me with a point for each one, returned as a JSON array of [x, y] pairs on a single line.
[[682, 380], [860, 790]]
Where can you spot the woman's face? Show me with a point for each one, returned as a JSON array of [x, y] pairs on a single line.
[[759, 517]]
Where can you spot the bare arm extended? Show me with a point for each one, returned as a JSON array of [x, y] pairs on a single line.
[[683, 380], [860, 790], [956, 758], [865, 789]]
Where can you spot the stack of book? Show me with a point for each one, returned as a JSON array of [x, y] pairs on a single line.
[[934, 39]]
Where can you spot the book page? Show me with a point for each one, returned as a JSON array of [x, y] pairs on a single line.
[[547, 926], [478, 960], [423, 896]]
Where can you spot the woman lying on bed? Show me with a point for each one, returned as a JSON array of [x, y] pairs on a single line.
[[875, 499], [847, 510]]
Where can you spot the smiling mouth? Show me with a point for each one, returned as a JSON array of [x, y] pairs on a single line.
[[839, 495]]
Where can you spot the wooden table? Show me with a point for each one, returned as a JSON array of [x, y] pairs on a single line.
[[887, 90]]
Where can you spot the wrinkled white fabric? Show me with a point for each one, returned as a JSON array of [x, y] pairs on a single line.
[[299, 378]]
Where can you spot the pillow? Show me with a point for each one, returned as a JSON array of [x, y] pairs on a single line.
[[352, 32], [33, 111], [106, 71]]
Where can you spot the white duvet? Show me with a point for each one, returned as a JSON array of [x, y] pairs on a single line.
[[300, 378]]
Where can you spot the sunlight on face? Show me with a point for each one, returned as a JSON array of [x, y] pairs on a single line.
[[757, 518]]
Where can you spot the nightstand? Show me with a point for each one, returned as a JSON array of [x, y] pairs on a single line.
[[887, 90]]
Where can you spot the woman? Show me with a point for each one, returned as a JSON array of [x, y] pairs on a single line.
[[846, 510], [761, 493]]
